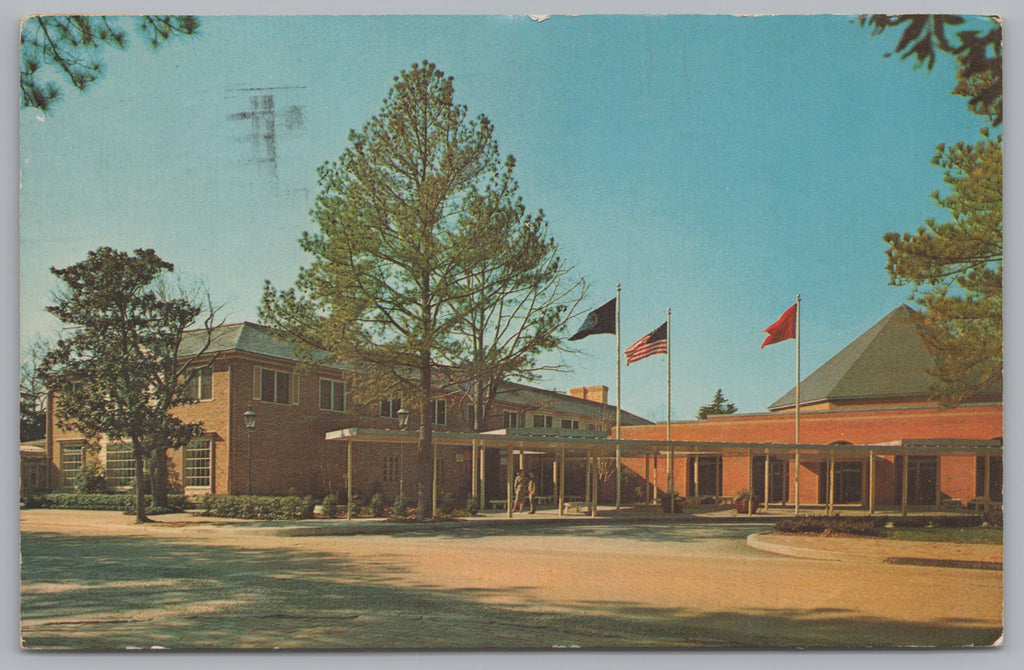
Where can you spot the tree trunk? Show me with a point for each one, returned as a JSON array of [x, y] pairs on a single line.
[[158, 477], [425, 446], [140, 475]]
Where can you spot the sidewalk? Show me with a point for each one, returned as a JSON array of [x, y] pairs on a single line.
[[878, 550]]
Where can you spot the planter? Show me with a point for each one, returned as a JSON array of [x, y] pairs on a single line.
[[742, 506]]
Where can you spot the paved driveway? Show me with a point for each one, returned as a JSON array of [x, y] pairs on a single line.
[[98, 584]]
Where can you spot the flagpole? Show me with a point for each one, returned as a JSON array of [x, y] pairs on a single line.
[[618, 397], [668, 408], [796, 476]]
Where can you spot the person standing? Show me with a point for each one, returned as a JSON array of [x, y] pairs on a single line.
[[531, 490], [521, 486]]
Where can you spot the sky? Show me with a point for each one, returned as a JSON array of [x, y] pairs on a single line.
[[716, 166]]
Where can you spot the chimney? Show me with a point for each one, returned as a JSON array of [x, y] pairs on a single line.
[[595, 393]]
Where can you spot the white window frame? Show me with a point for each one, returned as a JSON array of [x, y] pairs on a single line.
[[119, 465], [509, 418], [542, 421], [392, 469], [292, 386], [68, 474], [574, 424], [443, 405], [199, 380], [393, 404], [333, 395], [189, 467]]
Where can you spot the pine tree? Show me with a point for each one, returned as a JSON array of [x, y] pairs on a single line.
[[409, 223], [718, 405], [956, 269]]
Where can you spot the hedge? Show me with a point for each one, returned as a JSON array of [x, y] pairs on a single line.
[[829, 524], [118, 502], [258, 507]]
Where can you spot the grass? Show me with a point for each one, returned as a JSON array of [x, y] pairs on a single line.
[[974, 535]]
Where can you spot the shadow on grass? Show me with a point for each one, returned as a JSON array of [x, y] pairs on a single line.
[[121, 592]]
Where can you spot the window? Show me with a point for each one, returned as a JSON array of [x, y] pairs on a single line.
[[70, 463], [200, 384], [332, 395], [198, 463], [389, 408], [440, 412], [274, 386], [391, 468], [570, 423], [120, 465], [509, 419], [541, 421], [469, 408]]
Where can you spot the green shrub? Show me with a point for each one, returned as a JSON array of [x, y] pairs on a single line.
[[909, 522], [377, 504], [994, 519], [91, 477], [259, 507], [353, 504], [447, 505], [472, 505], [829, 525], [401, 507], [114, 502], [329, 507]]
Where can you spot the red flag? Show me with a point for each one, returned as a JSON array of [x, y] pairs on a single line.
[[783, 329]]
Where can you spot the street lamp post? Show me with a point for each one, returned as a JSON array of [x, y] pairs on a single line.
[[249, 417], [403, 423]]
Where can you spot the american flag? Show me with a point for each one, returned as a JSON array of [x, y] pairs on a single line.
[[654, 342]]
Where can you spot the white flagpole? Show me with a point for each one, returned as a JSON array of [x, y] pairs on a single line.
[[618, 398], [796, 412], [668, 409]]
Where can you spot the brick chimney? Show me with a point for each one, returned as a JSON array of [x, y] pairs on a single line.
[[595, 393]]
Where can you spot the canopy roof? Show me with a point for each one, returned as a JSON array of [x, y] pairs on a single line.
[[577, 442]]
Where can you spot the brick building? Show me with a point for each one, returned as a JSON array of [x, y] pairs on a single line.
[[873, 392], [296, 403]]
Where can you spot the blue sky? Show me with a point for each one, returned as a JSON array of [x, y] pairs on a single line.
[[714, 165]]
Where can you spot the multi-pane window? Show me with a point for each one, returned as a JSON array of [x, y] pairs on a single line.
[[200, 384], [199, 463], [274, 386], [332, 395], [440, 412], [469, 409], [70, 462], [570, 423], [509, 419], [541, 421], [391, 468], [120, 465], [389, 407]]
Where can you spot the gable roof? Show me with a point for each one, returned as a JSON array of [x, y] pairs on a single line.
[[556, 401], [890, 361]]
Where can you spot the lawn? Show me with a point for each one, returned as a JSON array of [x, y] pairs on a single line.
[[973, 535]]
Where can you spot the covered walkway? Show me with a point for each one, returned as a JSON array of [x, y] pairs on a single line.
[[591, 446]]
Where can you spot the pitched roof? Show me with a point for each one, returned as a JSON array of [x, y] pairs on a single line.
[[889, 361], [260, 340], [248, 337]]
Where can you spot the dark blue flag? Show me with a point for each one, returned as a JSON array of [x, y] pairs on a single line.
[[601, 320]]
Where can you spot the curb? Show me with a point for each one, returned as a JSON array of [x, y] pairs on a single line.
[[761, 542]]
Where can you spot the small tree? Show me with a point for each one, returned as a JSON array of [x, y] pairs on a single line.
[[116, 367], [718, 405]]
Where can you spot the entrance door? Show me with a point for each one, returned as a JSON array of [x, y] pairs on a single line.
[[922, 476], [778, 478], [706, 473]]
